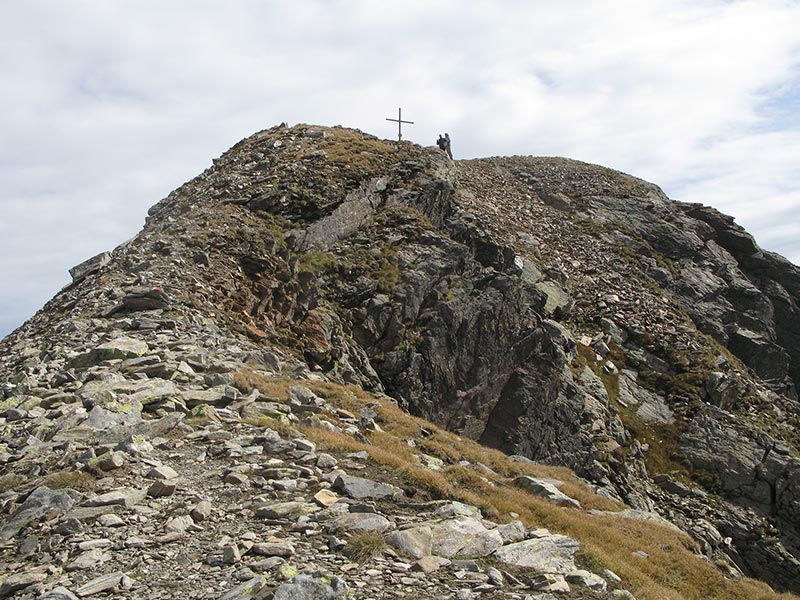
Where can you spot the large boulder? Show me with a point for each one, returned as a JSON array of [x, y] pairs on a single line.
[[465, 537], [41, 502], [550, 554]]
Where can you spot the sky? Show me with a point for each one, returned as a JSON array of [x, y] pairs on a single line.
[[107, 106]]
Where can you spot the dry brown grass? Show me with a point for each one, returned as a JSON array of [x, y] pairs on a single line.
[[76, 480], [673, 571], [350, 148], [246, 380], [11, 481]]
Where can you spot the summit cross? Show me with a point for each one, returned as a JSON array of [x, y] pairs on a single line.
[[399, 121]]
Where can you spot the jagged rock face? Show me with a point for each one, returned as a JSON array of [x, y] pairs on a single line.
[[553, 309]]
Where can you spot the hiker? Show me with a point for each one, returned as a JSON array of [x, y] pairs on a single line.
[[447, 145], [441, 142]]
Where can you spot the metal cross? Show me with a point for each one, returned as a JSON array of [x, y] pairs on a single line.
[[399, 121]]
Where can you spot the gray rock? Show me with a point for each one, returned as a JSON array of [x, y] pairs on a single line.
[[513, 531], [284, 510], [104, 583], [87, 267], [466, 537], [109, 461], [312, 585], [359, 522], [179, 524], [42, 501], [453, 510], [359, 488], [652, 407], [430, 564], [280, 548], [91, 559], [126, 497], [583, 578], [145, 298], [248, 590], [59, 593], [546, 489], [110, 520], [119, 348], [19, 581], [326, 461], [202, 511], [101, 419], [495, 577], [160, 489], [230, 554], [414, 542], [551, 554], [550, 582], [162, 472]]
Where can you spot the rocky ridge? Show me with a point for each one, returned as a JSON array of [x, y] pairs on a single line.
[[559, 311]]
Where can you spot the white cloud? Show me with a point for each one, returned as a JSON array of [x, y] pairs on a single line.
[[112, 105]]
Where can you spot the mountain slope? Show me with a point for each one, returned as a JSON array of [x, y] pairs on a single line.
[[552, 309]]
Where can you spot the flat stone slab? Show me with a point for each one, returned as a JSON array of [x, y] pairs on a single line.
[[249, 589], [89, 266], [551, 554], [284, 510], [119, 348], [652, 406], [274, 547], [583, 578], [466, 537], [59, 593], [414, 542], [100, 584], [312, 586], [359, 522], [126, 497], [40, 502], [358, 488], [19, 581], [546, 489]]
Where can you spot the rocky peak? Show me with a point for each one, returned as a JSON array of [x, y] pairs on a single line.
[[558, 311]]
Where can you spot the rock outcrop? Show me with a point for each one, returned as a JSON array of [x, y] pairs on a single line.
[[558, 311]]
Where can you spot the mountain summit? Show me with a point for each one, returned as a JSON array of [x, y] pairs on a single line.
[[177, 419]]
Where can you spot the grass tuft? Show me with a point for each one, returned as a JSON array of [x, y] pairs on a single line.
[[11, 481], [363, 546], [76, 480]]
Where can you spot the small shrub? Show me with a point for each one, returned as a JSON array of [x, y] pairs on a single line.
[[316, 262], [363, 546]]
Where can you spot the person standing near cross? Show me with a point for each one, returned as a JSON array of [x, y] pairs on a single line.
[[447, 145]]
